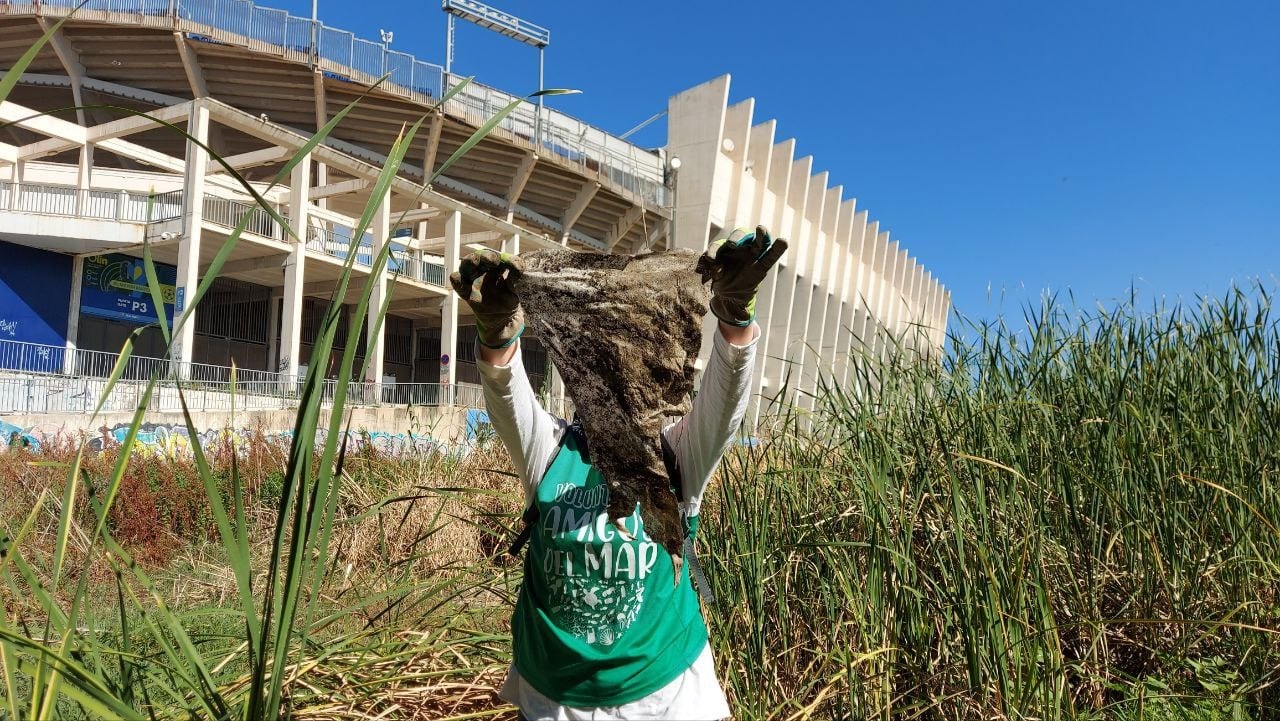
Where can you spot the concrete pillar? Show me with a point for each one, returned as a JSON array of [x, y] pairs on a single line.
[[273, 338], [695, 128], [375, 346], [295, 274], [84, 177], [511, 244], [192, 227], [772, 163], [414, 332], [851, 317], [18, 175], [556, 392], [73, 315], [449, 308]]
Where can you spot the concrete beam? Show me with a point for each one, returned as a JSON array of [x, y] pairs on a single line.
[[248, 265], [415, 304], [433, 145], [278, 135], [253, 159], [191, 66], [519, 180], [419, 215], [347, 186], [326, 287], [70, 60], [67, 136], [623, 226], [577, 208]]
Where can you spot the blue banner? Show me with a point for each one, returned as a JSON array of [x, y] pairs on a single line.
[[115, 287]]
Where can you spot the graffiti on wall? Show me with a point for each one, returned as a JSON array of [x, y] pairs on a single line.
[[12, 436], [174, 440]]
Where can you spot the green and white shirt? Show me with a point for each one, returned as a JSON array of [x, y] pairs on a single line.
[[600, 631]]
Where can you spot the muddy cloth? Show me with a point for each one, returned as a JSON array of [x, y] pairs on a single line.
[[624, 332]]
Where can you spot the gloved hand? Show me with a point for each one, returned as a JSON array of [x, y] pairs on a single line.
[[736, 265], [483, 280]]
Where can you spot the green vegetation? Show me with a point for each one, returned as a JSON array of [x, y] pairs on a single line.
[[1075, 520]]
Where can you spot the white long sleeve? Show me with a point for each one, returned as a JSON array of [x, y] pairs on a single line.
[[529, 432], [701, 437]]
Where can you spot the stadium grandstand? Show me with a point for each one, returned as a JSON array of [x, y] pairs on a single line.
[[81, 190]]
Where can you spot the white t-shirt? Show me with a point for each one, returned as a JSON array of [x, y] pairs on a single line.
[[699, 439]]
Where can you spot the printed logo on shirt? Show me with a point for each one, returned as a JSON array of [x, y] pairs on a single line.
[[595, 576]]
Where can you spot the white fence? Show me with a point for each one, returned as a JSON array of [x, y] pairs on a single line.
[[68, 200], [37, 378], [31, 394]]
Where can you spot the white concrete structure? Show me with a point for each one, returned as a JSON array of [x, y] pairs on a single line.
[[842, 290], [252, 86]]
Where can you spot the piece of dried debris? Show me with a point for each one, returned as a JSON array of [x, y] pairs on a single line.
[[624, 332]]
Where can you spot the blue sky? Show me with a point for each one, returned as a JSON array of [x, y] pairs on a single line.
[[1011, 146]]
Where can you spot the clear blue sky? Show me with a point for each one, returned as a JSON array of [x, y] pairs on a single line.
[[1016, 146]]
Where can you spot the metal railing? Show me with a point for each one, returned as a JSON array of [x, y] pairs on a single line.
[[420, 269], [68, 394], [334, 243], [38, 379], [68, 200], [230, 213], [242, 22]]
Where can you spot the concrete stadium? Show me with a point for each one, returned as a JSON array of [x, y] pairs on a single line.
[[81, 190]]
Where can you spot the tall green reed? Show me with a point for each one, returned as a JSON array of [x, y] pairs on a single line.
[[1039, 526], [103, 674]]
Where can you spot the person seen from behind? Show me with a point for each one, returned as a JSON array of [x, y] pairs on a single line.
[[606, 640]]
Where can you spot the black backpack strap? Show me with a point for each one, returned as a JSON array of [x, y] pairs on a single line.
[[530, 516], [699, 577]]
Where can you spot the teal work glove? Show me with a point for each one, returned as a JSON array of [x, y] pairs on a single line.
[[483, 280], [736, 266]]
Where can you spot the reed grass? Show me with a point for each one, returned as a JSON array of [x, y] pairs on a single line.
[[1064, 520], [1074, 519]]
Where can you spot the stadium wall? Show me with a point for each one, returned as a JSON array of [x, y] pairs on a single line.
[[35, 288]]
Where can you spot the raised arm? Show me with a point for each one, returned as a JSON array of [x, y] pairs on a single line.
[[736, 265], [702, 436], [526, 429], [529, 432]]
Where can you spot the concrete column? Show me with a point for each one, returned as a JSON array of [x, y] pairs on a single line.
[[772, 167], [833, 293], [511, 244], [273, 322], [17, 174], [787, 225], [375, 346], [295, 273], [84, 177], [695, 127], [851, 317], [192, 227], [449, 308], [556, 392], [73, 315], [414, 332]]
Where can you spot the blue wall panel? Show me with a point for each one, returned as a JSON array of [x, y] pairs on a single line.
[[35, 288]]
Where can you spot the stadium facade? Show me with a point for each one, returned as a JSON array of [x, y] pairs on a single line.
[[82, 190]]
